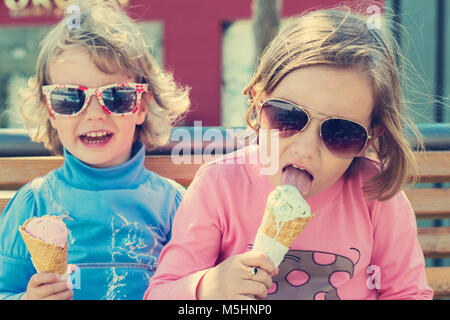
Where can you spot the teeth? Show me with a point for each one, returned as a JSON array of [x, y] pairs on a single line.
[[303, 169], [96, 134]]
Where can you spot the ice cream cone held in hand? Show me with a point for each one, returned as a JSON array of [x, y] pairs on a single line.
[[286, 215], [46, 240]]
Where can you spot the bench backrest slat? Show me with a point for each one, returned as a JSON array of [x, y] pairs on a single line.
[[434, 166], [16, 171], [430, 203]]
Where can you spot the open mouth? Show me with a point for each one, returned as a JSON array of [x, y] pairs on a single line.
[[298, 177], [96, 136]]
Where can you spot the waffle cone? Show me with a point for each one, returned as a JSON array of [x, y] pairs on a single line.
[[288, 232], [46, 257]]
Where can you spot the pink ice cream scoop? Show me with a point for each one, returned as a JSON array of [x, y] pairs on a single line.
[[48, 229]]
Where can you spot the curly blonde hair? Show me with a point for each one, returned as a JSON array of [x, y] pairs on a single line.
[[114, 42], [341, 37]]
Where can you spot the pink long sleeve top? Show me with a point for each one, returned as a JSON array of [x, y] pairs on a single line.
[[351, 249]]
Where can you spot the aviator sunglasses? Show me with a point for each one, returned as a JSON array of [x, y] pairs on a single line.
[[119, 99], [344, 138]]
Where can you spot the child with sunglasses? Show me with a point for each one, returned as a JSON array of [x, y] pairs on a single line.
[[326, 89], [100, 100]]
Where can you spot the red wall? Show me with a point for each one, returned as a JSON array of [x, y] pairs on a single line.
[[192, 41]]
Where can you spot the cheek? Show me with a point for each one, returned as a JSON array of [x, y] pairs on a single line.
[[127, 127], [64, 127]]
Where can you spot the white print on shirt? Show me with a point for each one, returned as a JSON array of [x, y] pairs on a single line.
[[128, 239]]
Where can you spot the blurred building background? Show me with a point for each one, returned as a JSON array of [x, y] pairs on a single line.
[[209, 45]]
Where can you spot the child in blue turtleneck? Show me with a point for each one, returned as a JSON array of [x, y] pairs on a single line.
[[91, 100]]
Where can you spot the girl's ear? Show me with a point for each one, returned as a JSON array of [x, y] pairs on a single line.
[[143, 107], [376, 132]]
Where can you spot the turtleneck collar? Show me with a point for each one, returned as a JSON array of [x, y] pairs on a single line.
[[126, 175]]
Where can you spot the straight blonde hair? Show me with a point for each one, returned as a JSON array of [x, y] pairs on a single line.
[[114, 42], [340, 37]]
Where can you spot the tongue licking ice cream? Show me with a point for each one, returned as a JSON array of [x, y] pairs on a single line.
[[46, 240], [299, 178], [286, 214]]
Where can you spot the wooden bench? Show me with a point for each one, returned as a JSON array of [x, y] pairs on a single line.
[[428, 203]]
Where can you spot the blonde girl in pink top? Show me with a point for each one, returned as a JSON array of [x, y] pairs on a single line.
[[330, 85]]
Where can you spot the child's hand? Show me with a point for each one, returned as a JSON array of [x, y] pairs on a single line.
[[47, 286], [233, 278]]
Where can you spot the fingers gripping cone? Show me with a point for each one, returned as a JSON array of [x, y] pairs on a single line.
[[286, 215], [47, 256]]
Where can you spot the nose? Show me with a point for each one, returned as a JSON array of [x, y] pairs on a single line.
[[308, 143], [94, 110]]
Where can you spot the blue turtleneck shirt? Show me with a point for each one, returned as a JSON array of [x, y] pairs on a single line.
[[118, 218]]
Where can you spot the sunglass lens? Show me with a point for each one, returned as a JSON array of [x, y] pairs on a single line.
[[283, 116], [67, 101], [120, 99], [343, 138]]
